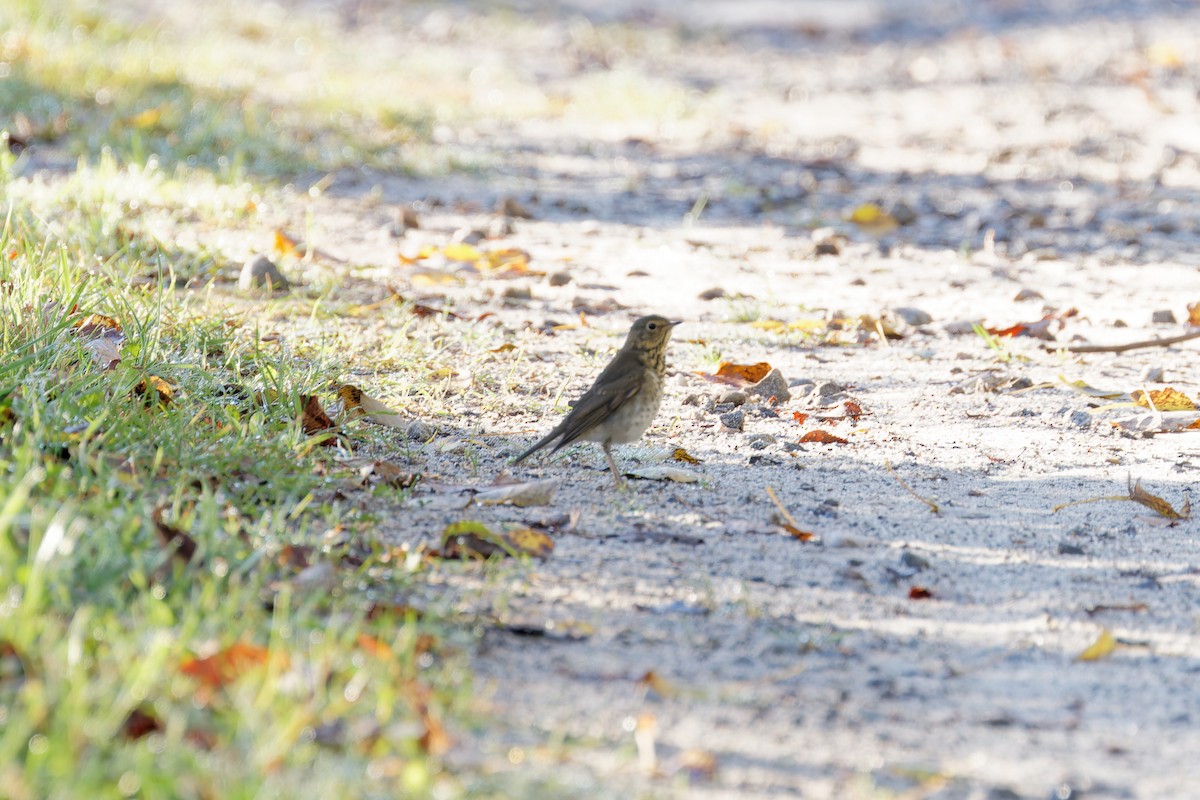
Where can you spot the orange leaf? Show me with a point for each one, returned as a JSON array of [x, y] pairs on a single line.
[[224, 666], [286, 245], [853, 410], [804, 536], [821, 437], [799, 416], [139, 724], [375, 647], [739, 374], [1167, 399], [313, 418], [1156, 504], [919, 593], [1193, 314]]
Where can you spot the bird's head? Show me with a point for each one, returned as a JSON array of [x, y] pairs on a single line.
[[650, 333]]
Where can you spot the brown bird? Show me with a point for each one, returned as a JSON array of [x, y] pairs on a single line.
[[624, 399]]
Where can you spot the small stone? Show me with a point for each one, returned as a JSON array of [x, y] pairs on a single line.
[[516, 294], [712, 294], [1027, 294], [764, 461], [773, 388], [1069, 549], [735, 397], [1152, 374], [914, 561], [468, 236], [260, 272], [419, 431], [828, 389], [500, 227], [960, 326], [407, 219], [1163, 315], [1080, 419], [903, 213], [512, 207], [734, 420], [720, 408], [794, 382], [561, 278], [913, 316], [692, 400], [760, 441]]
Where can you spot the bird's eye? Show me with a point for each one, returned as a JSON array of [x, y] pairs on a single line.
[[652, 325]]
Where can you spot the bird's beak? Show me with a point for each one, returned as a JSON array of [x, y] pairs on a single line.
[[676, 322]]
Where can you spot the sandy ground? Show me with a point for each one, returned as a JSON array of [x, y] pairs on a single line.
[[1052, 148], [691, 647]]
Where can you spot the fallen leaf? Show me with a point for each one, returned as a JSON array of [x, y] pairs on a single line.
[[375, 647], [1167, 399], [509, 259], [388, 474], [461, 251], [474, 540], [1193, 314], [919, 593], [355, 399], [507, 347], [679, 454], [873, 219], [102, 337], [155, 391], [800, 416], [1103, 647], [853, 410], [140, 723], [821, 437], [653, 682], [224, 666], [788, 522], [522, 495], [182, 545], [313, 419], [663, 472], [738, 374], [1083, 387], [1156, 504]]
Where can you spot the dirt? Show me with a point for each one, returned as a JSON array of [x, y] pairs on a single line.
[[679, 641]]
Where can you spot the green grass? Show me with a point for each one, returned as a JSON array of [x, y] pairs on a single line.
[[99, 615]]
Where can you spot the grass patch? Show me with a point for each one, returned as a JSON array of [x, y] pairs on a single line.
[[137, 536]]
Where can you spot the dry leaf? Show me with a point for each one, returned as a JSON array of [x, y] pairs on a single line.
[[140, 723], [388, 474], [182, 544], [853, 410], [1156, 504], [663, 472], [529, 493], [224, 666], [919, 593], [507, 347], [1167, 399], [873, 219], [738, 374], [155, 391], [375, 647], [354, 398], [102, 338], [460, 251], [1101, 648], [531, 542], [313, 418], [653, 682], [821, 437], [474, 540], [679, 454]]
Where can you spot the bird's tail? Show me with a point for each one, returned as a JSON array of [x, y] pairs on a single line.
[[545, 440]]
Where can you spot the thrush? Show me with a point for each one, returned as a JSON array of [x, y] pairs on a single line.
[[624, 399]]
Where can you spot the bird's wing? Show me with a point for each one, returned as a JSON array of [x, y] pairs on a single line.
[[597, 404]]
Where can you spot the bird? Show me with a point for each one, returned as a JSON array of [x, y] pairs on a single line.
[[623, 400]]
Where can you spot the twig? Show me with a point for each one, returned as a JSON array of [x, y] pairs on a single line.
[[782, 510], [1121, 348], [932, 505]]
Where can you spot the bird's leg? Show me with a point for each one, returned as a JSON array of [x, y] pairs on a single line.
[[612, 464]]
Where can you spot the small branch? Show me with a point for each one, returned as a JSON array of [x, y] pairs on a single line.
[[932, 505], [1121, 348]]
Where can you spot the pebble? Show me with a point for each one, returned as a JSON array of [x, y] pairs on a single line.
[[734, 420], [1080, 419], [1152, 374], [794, 382], [468, 236], [1069, 549], [914, 561], [960, 326], [1027, 294], [735, 397], [419, 431], [760, 441], [517, 294], [1163, 315], [260, 272], [913, 316], [828, 389], [773, 388], [561, 278], [712, 294]]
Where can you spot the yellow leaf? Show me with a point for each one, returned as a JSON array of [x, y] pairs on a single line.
[[147, 119], [507, 347], [683, 455], [1101, 648], [873, 219], [530, 542], [509, 258], [1167, 399], [286, 245], [460, 251], [1156, 504], [441, 373], [767, 324]]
